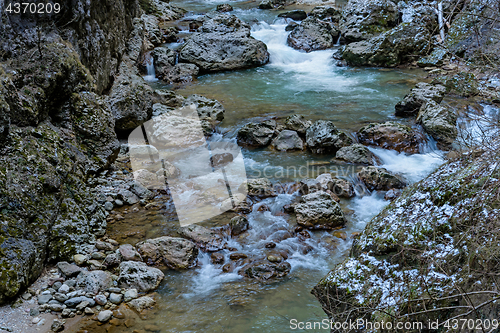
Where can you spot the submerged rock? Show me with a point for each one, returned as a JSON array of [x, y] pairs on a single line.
[[288, 140], [176, 253], [239, 224], [297, 15], [257, 134], [343, 188], [267, 271], [379, 179], [439, 121], [357, 154], [319, 211], [418, 96], [224, 8], [142, 303], [390, 135], [324, 137], [138, 275], [313, 34], [224, 43]]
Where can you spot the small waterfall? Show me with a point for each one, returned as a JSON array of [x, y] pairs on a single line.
[[338, 40], [150, 67]]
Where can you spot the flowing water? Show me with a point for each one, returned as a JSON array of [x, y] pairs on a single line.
[[207, 300]]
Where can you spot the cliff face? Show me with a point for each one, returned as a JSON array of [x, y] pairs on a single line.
[[56, 129]]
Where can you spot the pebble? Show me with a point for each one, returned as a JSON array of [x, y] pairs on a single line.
[[88, 311], [118, 202], [57, 285], [98, 255], [79, 259], [101, 299], [36, 320], [115, 298], [57, 325], [61, 297], [64, 289], [44, 298], [108, 206], [130, 295], [82, 306], [104, 316], [114, 290], [57, 307]]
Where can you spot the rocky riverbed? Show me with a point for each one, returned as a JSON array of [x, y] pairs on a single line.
[[87, 244]]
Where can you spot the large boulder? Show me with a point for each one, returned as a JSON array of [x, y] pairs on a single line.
[[363, 19], [181, 73], [138, 275], [379, 179], [313, 34], [259, 187], [390, 135], [131, 98], [405, 43], [163, 60], [173, 252], [439, 121], [319, 211], [297, 123], [288, 140], [207, 239], [257, 134], [224, 43], [418, 96], [356, 154], [324, 137], [94, 281]]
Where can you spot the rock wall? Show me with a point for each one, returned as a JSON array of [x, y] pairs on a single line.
[[56, 130]]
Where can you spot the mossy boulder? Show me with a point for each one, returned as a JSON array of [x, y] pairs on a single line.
[[413, 255]]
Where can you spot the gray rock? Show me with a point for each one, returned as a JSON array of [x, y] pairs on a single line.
[[435, 59], [128, 197], [357, 154], [439, 121], [224, 8], [114, 290], [323, 137], [164, 60], [379, 179], [309, 185], [57, 307], [297, 15], [239, 224], [44, 298], [138, 275], [68, 270], [224, 43], [98, 255], [73, 302], [79, 259], [95, 281], [207, 239], [264, 271], [108, 206], [313, 34], [104, 316], [129, 253], [266, 4], [61, 297], [57, 325], [418, 96], [206, 107], [56, 285], [104, 246], [141, 191], [181, 73], [297, 123], [391, 135], [342, 188], [323, 12], [173, 252], [319, 211], [130, 295], [82, 305], [142, 303], [115, 298], [101, 299], [363, 19], [397, 46], [257, 134], [112, 260], [288, 140], [259, 187]]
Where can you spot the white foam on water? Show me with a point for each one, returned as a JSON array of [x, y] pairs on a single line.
[[479, 129], [208, 277], [412, 167], [305, 71], [367, 207]]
